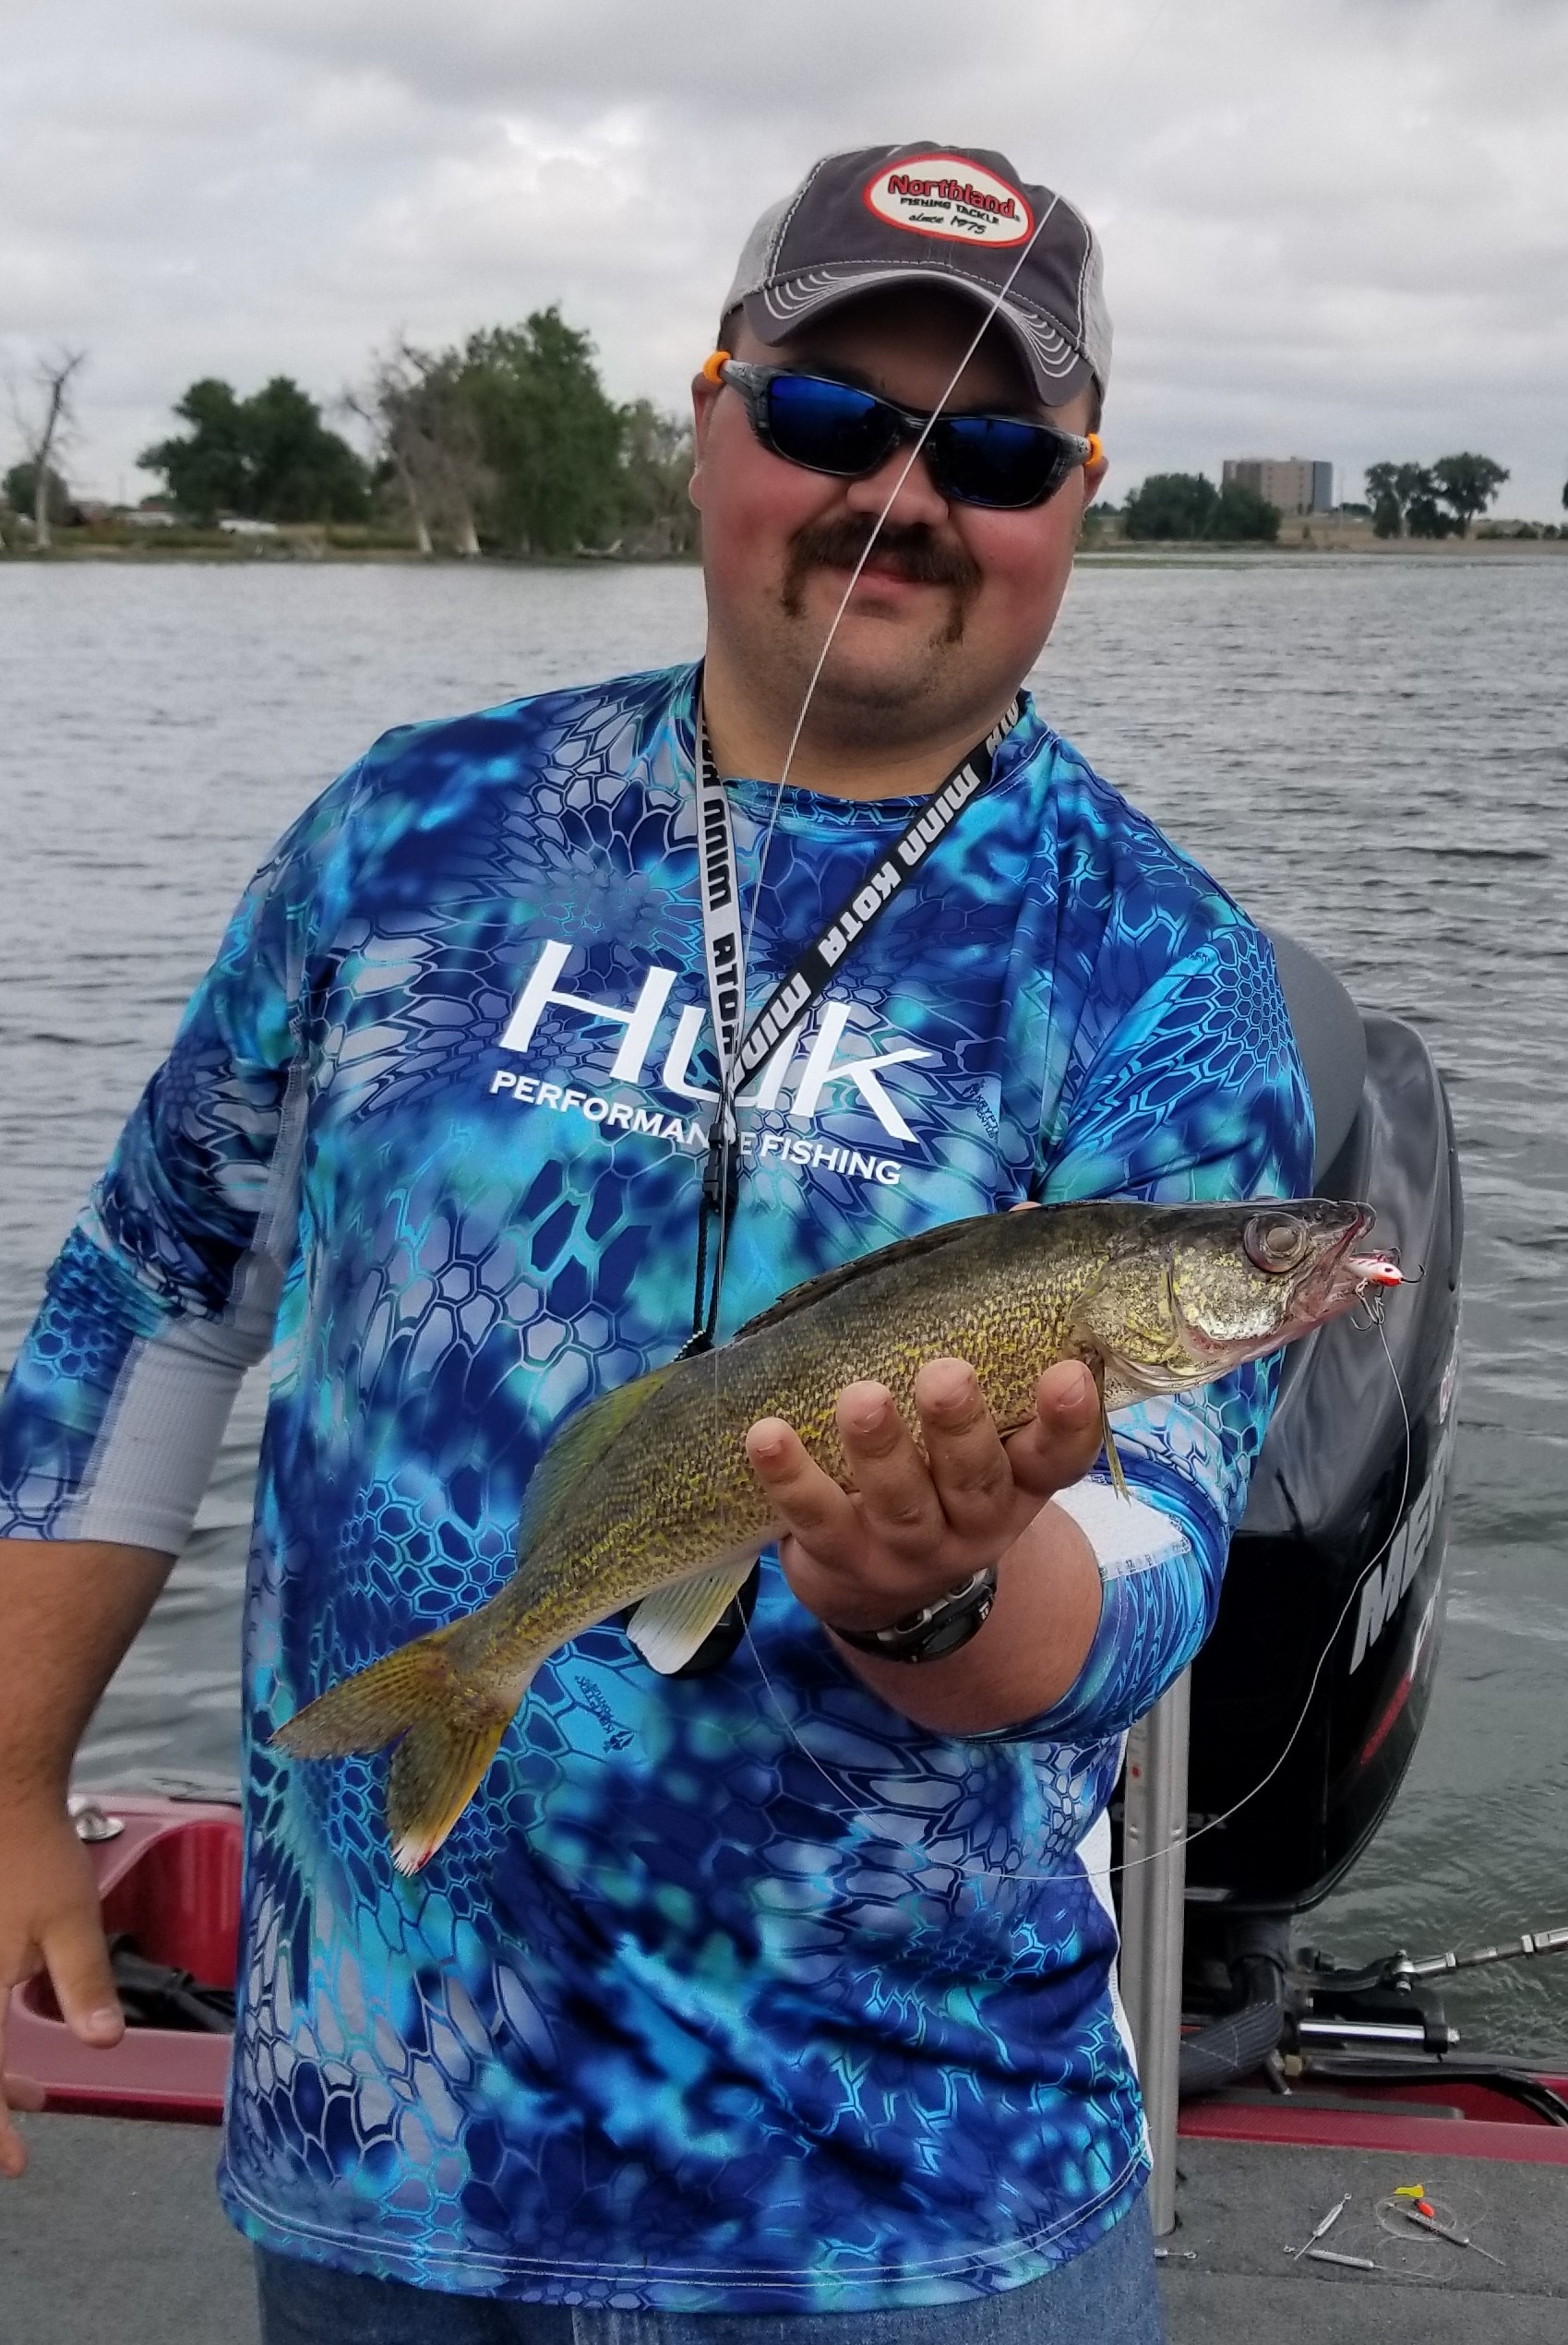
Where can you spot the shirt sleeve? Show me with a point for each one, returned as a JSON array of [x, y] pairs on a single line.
[[166, 1289], [1193, 1092]]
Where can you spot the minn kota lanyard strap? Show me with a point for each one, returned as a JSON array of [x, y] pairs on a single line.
[[742, 1051]]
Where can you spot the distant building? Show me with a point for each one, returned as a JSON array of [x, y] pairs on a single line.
[[1296, 483]]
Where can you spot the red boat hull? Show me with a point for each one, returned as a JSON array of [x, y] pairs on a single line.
[[172, 1878]]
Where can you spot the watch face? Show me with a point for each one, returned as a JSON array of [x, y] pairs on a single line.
[[942, 1628]]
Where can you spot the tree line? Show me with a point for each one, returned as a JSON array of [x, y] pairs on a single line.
[[1409, 500], [505, 443], [1188, 505]]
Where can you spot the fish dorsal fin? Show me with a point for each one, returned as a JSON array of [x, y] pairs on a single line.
[[829, 1282], [578, 1447], [673, 1623]]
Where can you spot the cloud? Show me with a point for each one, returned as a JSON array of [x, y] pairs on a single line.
[[1337, 229]]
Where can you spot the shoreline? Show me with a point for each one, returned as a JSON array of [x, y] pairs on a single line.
[[1152, 553]]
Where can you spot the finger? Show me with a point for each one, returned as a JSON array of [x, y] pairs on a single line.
[[1062, 1442], [899, 1501], [807, 1503], [968, 1464], [76, 1958], [13, 2150]]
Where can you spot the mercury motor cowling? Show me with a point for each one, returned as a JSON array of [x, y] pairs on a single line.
[[1332, 1605]]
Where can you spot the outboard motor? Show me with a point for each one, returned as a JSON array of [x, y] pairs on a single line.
[[1332, 1604]]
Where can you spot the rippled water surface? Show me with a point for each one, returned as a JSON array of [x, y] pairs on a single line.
[[1373, 753]]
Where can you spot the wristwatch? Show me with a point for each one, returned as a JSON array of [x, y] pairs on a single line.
[[934, 1631]]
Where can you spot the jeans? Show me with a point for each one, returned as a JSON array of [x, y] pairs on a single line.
[[1107, 2294]]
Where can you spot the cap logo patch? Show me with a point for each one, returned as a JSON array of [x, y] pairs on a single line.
[[947, 197]]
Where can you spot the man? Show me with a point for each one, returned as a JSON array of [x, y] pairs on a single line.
[[783, 1987]]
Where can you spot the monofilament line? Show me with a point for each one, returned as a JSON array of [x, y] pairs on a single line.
[[727, 1101]]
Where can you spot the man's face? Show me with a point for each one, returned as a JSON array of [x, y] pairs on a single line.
[[956, 600]]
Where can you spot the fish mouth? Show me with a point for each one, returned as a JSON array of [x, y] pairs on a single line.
[[1342, 1274]]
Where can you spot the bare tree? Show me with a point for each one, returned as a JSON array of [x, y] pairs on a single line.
[[427, 431], [46, 430]]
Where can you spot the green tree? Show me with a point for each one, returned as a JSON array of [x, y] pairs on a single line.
[[1171, 505], [658, 517], [1468, 485], [1242, 513], [1391, 491], [268, 457], [1424, 517], [19, 489], [548, 436], [1188, 505]]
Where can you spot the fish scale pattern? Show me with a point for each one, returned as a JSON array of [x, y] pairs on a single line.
[[724, 1994]]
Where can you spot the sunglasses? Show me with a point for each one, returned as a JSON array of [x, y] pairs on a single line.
[[833, 427]]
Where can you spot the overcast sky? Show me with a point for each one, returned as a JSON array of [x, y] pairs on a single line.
[[1332, 227]]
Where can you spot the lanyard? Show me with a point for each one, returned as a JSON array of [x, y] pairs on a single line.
[[741, 1048]]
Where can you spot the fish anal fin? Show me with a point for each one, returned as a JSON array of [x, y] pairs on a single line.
[[578, 1447], [673, 1623], [829, 1282]]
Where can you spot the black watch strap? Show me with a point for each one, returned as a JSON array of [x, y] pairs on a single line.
[[936, 1630]]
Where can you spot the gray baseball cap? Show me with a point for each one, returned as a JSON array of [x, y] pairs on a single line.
[[954, 216]]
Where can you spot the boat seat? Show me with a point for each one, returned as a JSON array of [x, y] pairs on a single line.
[[1331, 1040]]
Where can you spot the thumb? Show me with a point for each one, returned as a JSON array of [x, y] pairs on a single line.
[[75, 1955]]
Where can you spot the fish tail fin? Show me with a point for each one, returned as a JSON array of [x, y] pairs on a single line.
[[367, 1711], [446, 1726], [436, 1769]]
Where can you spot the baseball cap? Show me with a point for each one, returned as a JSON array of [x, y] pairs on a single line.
[[954, 216]]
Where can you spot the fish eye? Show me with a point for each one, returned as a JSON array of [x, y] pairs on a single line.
[[1274, 1242]]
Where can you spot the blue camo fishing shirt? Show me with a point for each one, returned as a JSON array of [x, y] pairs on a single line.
[[728, 1994]]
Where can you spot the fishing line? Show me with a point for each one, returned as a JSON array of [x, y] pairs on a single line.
[[1210, 1823], [727, 1119], [727, 1122], [727, 1103]]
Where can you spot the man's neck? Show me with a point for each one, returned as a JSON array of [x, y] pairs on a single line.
[[743, 741]]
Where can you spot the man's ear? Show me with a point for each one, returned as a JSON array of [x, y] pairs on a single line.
[[704, 393]]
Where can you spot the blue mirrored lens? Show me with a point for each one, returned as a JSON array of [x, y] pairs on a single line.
[[830, 427], [978, 459], [990, 460]]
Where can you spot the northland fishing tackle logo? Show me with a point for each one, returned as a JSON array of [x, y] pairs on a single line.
[[631, 1060], [947, 195]]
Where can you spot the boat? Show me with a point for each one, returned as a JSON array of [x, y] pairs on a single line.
[[1306, 1705]]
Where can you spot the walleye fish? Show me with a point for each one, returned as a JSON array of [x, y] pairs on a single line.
[[646, 1497]]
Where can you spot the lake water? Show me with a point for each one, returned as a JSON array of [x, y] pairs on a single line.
[[1373, 754]]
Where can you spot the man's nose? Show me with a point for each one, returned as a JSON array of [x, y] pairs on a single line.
[[915, 494]]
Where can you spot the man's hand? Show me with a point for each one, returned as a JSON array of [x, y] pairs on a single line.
[[912, 1531], [71, 1607], [49, 1920]]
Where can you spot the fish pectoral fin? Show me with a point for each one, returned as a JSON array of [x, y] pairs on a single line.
[[1117, 1478], [670, 1625]]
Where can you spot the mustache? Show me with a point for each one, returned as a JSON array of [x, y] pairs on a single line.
[[915, 552]]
